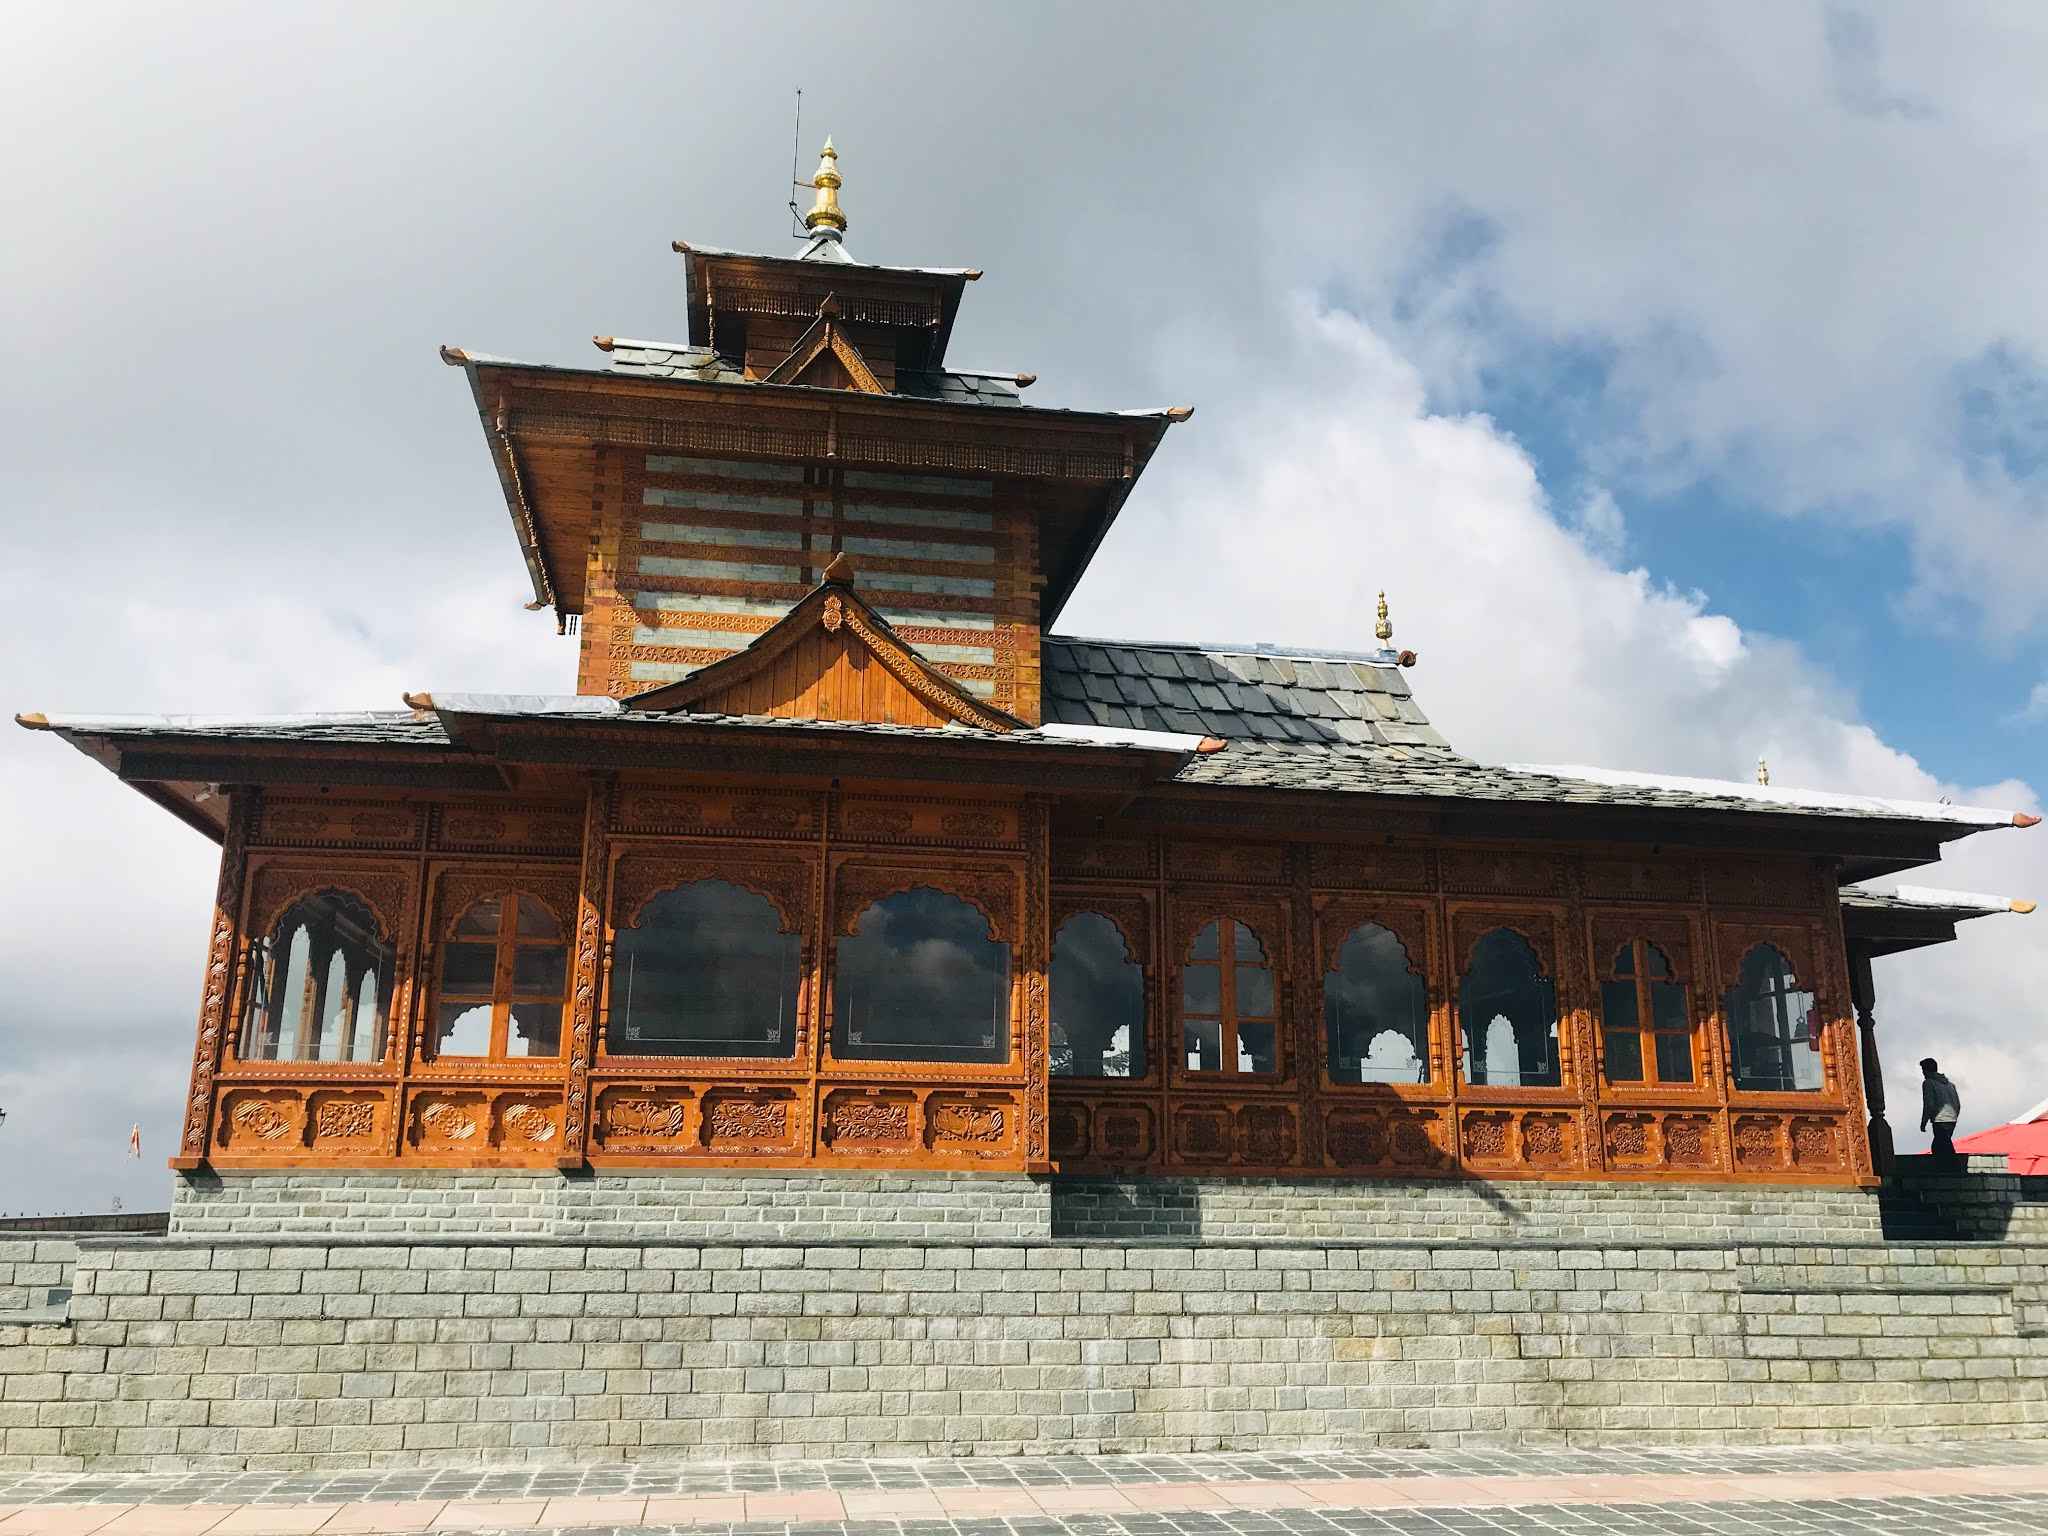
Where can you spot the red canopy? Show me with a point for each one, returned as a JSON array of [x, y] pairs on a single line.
[[2023, 1141]]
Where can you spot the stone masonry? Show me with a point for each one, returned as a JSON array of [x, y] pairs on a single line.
[[349, 1351]]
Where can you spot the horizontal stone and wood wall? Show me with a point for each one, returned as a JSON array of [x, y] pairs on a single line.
[[1775, 1323]]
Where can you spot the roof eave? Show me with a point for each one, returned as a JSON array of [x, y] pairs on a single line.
[[546, 591]]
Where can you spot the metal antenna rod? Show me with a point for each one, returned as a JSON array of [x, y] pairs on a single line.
[[796, 140]]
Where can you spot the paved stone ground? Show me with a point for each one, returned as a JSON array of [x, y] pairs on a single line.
[[1973, 1489]]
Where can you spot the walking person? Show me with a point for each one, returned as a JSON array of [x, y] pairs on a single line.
[[1940, 1107]]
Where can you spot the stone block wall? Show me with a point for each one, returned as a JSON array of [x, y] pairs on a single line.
[[1985, 1203], [345, 1354], [938, 1207], [31, 1267]]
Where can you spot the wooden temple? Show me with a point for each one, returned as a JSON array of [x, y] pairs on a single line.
[[841, 856]]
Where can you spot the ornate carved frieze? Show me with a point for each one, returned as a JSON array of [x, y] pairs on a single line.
[[457, 890], [321, 822], [483, 827], [938, 823], [1613, 932], [350, 1120], [261, 1122], [643, 1118], [1502, 872], [1104, 858], [1372, 867], [221, 950], [386, 891], [970, 1125], [1131, 913], [1761, 882], [718, 813], [1652, 877], [1471, 924], [754, 1121], [1255, 863], [857, 1118]]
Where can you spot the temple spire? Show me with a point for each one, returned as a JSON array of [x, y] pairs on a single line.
[[825, 214], [1383, 631]]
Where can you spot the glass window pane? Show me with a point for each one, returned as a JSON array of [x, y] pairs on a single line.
[[1674, 1058], [536, 921], [301, 977], [920, 979], [368, 1044], [536, 1030], [1771, 1027], [480, 921], [1375, 1012], [1254, 992], [1201, 989], [468, 967], [1204, 1045], [1206, 944], [1246, 946], [1507, 1015], [1625, 961], [1255, 1047], [1654, 961], [707, 971], [464, 1029], [1624, 1057], [1098, 1001], [538, 970]]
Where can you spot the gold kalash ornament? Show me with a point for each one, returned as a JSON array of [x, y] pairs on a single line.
[[825, 211]]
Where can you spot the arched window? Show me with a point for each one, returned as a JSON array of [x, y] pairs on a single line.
[[920, 978], [1227, 1007], [503, 973], [316, 983], [707, 970], [1773, 1028], [1645, 1021], [1098, 1001], [1507, 1013], [1375, 1011]]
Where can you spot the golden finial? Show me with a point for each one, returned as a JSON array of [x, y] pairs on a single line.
[[1384, 630], [1763, 772], [825, 211]]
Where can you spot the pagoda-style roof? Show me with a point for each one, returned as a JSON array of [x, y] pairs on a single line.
[[1915, 916]]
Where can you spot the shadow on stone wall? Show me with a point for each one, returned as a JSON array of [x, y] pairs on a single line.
[[1982, 1203]]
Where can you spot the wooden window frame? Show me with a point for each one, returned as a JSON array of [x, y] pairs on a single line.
[[505, 956], [1800, 949], [1227, 1016], [1543, 930], [1646, 1029]]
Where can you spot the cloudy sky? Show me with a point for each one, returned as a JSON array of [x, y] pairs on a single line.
[[1681, 373]]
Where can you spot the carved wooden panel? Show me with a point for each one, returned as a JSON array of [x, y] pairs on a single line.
[[528, 1123], [261, 1121], [1761, 882], [972, 1125], [449, 1120], [1372, 867], [1104, 858], [1337, 917], [1268, 1135], [1125, 1133], [345, 1122], [210, 1044], [1502, 872], [1759, 1143], [868, 1118], [323, 822], [385, 890], [1254, 863], [1818, 1143], [1653, 1140], [642, 1117], [486, 827], [1389, 1138], [1734, 941], [1660, 877], [1190, 908], [717, 813], [1204, 1133], [751, 1121], [968, 824], [1071, 1129], [1533, 1140]]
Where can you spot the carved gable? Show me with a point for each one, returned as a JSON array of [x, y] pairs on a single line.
[[831, 658]]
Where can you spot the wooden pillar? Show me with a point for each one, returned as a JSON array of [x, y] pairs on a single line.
[[1863, 991], [221, 950], [587, 976]]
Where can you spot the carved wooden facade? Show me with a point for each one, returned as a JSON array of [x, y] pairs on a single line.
[[820, 856]]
